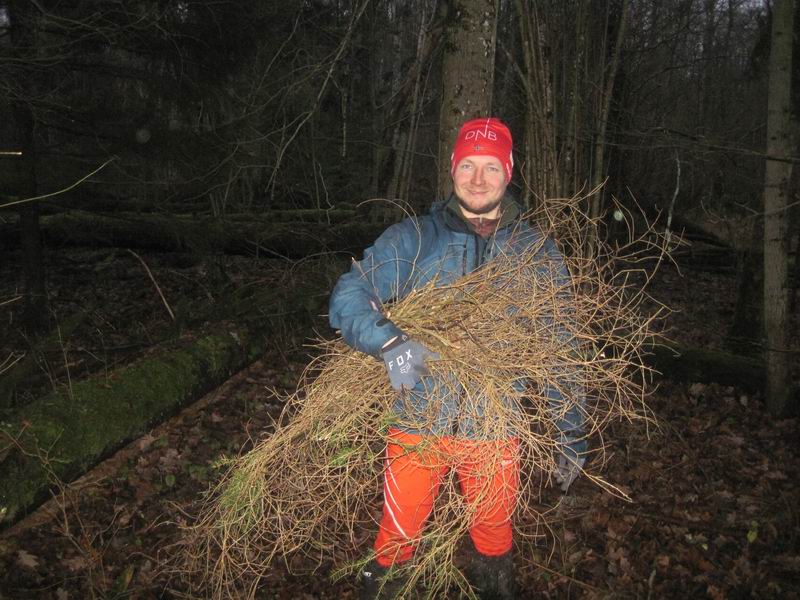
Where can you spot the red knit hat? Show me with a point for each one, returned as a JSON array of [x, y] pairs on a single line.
[[486, 136]]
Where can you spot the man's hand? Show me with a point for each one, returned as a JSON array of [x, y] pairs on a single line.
[[569, 464], [405, 361]]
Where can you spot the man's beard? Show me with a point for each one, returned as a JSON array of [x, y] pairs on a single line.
[[481, 210]]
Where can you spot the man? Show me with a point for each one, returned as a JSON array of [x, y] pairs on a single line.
[[477, 223]]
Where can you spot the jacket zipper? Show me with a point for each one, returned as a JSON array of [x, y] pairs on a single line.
[[478, 261], [480, 253]]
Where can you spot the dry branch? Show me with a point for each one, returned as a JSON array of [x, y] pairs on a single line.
[[504, 334]]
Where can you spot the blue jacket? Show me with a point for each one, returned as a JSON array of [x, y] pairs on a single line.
[[442, 246]]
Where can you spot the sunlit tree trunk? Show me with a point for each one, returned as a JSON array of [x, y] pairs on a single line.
[[776, 215], [467, 73]]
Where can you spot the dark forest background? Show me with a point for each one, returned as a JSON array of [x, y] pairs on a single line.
[[227, 111], [182, 181], [220, 107]]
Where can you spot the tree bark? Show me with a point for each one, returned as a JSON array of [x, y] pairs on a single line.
[[23, 38], [570, 176], [35, 312], [595, 202], [746, 329], [776, 215], [467, 73], [540, 171]]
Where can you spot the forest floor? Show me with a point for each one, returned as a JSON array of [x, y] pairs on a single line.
[[715, 511]]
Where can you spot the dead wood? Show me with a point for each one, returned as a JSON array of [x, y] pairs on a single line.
[[241, 235]]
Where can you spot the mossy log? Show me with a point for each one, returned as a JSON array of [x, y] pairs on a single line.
[[183, 233], [59, 436]]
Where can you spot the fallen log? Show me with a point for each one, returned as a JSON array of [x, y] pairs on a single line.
[[202, 235], [714, 259], [61, 435], [697, 365], [57, 437], [684, 364], [696, 233], [110, 206]]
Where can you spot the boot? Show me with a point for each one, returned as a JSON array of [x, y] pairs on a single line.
[[492, 577], [380, 583]]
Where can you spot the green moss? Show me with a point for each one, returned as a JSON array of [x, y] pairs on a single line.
[[238, 503], [63, 433]]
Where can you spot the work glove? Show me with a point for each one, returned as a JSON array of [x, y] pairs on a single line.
[[405, 361], [570, 461]]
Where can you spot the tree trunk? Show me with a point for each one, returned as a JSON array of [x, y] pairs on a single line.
[[570, 180], [744, 336], [423, 50], [595, 202], [776, 183], [687, 364], [540, 171], [24, 185], [467, 73], [35, 315], [709, 63]]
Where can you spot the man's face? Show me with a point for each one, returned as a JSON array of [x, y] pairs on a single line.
[[479, 183]]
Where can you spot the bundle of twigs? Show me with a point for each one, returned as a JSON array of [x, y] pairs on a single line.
[[503, 334]]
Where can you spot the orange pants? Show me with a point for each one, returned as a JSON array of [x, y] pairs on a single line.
[[488, 473]]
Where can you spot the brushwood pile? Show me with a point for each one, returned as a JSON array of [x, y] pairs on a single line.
[[504, 336]]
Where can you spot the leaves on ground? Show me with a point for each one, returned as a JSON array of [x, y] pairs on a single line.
[[714, 512]]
